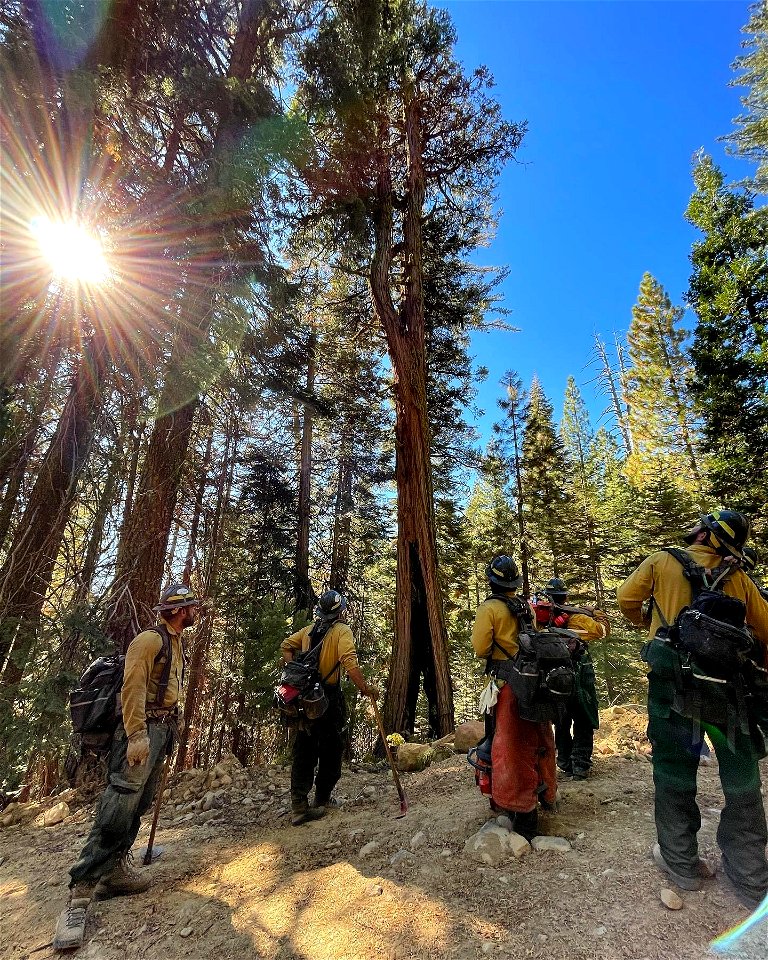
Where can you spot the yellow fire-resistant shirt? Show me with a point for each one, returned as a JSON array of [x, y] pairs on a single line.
[[589, 628], [662, 576], [338, 647], [142, 676], [494, 624]]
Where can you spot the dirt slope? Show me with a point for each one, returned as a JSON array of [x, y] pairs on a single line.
[[237, 887]]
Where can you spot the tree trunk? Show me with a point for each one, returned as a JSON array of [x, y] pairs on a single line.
[[342, 525], [26, 573], [420, 643], [203, 639], [609, 381], [302, 589], [197, 513], [142, 548]]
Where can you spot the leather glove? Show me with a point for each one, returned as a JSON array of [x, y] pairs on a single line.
[[138, 748], [561, 620]]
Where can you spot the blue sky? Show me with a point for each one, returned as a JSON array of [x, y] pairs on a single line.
[[618, 96]]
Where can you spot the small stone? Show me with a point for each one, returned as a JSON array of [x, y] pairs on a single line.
[[447, 852], [670, 899], [488, 947], [580, 836], [599, 931], [504, 821], [371, 847], [418, 840], [370, 791], [208, 800], [375, 891], [402, 856], [556, 844], [185, 932]]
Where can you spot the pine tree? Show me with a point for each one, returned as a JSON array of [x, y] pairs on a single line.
[[751, 139], [661, 421], [729, 292]]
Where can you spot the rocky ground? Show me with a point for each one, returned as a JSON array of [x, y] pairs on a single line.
[[237, 881]]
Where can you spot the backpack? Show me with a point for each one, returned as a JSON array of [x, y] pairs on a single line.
[[95, 706], [541, 673], [707, 652], [300, 693]]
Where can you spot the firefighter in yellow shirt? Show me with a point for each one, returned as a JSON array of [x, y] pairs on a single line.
[[715, 544], [575, 729], [318, 749], [149, 699]]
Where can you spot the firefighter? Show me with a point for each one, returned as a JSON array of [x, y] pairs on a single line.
[[522, 752], [318, 746], [143, 739], [718, 539], [574, 731]]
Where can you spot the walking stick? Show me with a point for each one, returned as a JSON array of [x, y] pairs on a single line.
[[400, 791], [156, 815]]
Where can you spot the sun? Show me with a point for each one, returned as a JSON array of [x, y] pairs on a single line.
[[72, 252]]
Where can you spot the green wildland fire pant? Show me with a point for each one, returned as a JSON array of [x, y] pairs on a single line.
[[741, 835], [129, 795]]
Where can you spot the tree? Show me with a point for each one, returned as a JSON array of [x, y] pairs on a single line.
[[729, 292], [751, 139], [512, 431], [409, 130], [661, 419]]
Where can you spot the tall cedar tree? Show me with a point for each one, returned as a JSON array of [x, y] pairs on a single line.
[[407, 127], [729, 292], [661, 420]]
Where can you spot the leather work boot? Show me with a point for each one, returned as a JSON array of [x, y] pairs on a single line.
[[305, 813], [124, 880], [526, 824], [685, 883], [70, 929]]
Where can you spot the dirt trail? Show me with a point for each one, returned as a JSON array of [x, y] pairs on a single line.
[[237, 889]]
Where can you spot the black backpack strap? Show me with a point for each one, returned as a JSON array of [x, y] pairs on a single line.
[[316, 646], [517, 608], [167, 650]]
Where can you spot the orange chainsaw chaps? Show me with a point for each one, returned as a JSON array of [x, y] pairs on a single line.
[[522, 758]]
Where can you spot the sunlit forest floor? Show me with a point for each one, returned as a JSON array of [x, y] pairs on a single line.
[[238, 888]]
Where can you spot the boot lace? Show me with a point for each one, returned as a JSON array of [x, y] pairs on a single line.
[[76, 914]]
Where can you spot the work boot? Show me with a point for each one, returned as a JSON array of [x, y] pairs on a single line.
[[580, 773], [303, 813], [682, 881], [70, 929], [526, 824], [124, 880]]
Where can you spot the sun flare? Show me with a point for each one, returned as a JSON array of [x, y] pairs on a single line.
[[73, 253]]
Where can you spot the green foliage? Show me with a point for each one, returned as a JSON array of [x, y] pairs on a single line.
[[729, 292], [751, 139]]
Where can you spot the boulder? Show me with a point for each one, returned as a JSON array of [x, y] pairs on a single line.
[[468, 735], [442, 751], [56, 814], [493, 845], [414, 756], [369, 848]]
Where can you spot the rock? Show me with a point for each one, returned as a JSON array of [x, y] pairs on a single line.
[[185, 932], [56, 814], [670, 899], [208, 800], [368, 849], [468, 735], [402, 856], [494, 845], [413, 756], [444, 740], [370, 791], [375, 891], [599, 931], [442, 752], [504, 821], [418, 840], [558, 844]]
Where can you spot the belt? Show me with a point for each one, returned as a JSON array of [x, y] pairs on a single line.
[[159, 715]]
